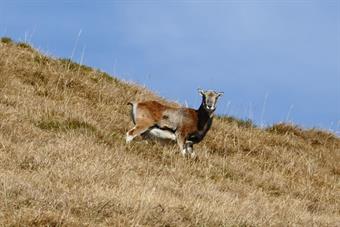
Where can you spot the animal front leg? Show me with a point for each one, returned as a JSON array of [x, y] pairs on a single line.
[[189, 149], [181, 142], [185, 145]]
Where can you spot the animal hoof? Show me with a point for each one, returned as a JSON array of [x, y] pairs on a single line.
[[128, 138], [189, 153]]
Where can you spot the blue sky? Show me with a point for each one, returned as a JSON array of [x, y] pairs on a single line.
[[274, 60]]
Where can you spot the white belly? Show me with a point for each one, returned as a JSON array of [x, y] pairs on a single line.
[[164, 134]]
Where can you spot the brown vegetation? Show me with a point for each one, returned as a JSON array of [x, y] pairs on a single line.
[[64, 161]]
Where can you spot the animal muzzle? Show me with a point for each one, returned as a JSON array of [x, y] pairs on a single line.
[[210, 107]]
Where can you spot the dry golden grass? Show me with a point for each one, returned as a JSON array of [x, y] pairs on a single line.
[[64, 161]]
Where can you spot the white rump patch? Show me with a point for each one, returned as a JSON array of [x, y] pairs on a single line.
[[164, 134]]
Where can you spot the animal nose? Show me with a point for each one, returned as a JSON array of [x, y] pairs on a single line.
[[210, 107]]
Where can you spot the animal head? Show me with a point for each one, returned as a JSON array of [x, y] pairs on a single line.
[[209, 99]]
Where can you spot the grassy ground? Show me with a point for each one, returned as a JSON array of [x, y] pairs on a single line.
[[64, 161]]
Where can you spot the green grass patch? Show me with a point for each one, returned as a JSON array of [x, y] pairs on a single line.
[[64, 125], [106, 76], [73, 66], [72, 124]]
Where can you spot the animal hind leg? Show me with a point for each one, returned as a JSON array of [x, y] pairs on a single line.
[[136, 131], [181, 142]]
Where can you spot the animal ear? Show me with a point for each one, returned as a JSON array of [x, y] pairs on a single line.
[[220, 93], [201, 91]]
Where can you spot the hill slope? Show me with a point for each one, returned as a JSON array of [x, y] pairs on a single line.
[[64, 161]]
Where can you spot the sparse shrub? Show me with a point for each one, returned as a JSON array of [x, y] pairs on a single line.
[[24, 46], [6, 40], [313, 136], [243, 123], [291, 129], [284, 129]]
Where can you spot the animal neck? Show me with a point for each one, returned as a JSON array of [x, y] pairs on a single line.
[[204, 118], [203, 124]]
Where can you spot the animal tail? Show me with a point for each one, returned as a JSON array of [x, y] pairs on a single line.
[[133, 111]]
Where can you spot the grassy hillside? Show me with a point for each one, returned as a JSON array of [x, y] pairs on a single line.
[[64, 161]]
